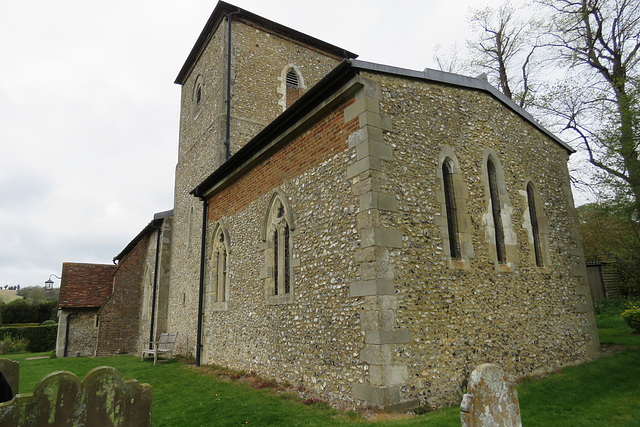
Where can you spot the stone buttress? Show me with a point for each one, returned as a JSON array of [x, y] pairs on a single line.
[[376, 284]]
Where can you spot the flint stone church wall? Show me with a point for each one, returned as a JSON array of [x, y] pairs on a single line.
[[526, 319], [456, 318], [197, 157], [315, 339]]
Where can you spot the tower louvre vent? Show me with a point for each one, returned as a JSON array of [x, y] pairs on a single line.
[[292, 79]]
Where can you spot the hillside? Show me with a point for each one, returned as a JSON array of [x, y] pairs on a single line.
[[9, 295]]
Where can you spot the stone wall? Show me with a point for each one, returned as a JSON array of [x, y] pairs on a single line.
[[380, 313], [260, 62], [119, 321], [256, 82], [379, 310], [200, 152], [161, 285], [523, 317], [83, 332], [315, 339]]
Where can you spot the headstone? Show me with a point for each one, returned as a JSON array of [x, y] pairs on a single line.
[[491, 400], [11, 372], [102, 398]]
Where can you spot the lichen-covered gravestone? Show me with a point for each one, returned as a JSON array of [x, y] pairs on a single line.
[[11, 372], [491, 400], [103, 398]]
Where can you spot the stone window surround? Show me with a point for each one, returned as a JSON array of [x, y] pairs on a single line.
[[282, 79], [543, 227], [506, 210], [464, 237], [213, 287], [278, 201]]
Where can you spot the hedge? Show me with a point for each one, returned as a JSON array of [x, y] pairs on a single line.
[[40, 338], [21, 311]]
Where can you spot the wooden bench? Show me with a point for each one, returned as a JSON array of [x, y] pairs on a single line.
[[163, 345]]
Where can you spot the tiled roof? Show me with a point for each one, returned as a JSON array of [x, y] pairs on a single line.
[[85, 285]]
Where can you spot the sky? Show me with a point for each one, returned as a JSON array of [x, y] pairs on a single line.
[[89, 113]]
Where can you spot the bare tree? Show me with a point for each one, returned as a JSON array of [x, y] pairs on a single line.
[[599, 41], [505, 50], [449, 60]]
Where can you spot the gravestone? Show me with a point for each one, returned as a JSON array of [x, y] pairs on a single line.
[[103, 398], [491, 400], [11, 372]]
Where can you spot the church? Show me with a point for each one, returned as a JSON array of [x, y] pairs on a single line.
[[369, 233]]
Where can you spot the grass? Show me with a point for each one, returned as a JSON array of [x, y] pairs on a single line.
[[186, 396], [605, 392], [612, 328]]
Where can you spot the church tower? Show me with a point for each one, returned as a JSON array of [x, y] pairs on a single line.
[[230, 92]]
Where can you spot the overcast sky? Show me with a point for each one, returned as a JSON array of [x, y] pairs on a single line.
[[89, 111]]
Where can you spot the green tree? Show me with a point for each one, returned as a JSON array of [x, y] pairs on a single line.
[[609, 233], [38, 294], [599, 42]]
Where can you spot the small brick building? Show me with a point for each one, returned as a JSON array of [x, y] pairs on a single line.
[[106, 310], [367, 232], [84, 289]]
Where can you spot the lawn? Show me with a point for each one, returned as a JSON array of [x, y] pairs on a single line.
[[605, 392]]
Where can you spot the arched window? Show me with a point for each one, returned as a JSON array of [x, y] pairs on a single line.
[[294, 91], [452, 212], [496, 212], [291, 85], [198, 92], [219, 263], [534, 225], [454, 221], [278, 270], [500, 236], [535, 222], [281, 256], [217, 286]]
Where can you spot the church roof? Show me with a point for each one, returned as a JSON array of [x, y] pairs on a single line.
[[344, 72], [85, 285], [155, 223], [221, 12]]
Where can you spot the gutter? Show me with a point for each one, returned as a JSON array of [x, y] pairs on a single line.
[[203, 245], [227, 142], [66, 333], [155, 288]]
